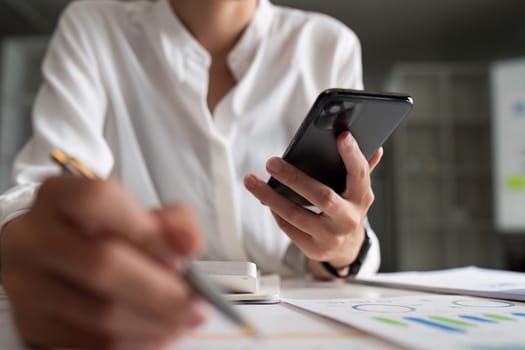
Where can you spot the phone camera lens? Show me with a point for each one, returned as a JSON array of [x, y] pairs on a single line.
[[334, 109], [336, 115]]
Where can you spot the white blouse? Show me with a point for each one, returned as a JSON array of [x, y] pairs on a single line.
[[125, 90]]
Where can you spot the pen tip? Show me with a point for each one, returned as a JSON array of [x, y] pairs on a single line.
[[249, 330]]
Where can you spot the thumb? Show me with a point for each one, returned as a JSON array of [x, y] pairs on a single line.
[[181, 229]]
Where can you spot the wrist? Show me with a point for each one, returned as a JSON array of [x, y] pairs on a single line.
[[352, 268], [349, 257]]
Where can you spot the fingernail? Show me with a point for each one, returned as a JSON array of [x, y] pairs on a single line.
[[250, 182], [274, 165], [199, 312], [349, 140]]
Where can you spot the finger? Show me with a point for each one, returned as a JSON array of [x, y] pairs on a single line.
[[320, 247], [302, 218], [42, 332], [95, 207], [320, 195], [117, 271], [15, 237], [50, 333], [376, 158], [84, 310], [46, 298], [301, 239], [113, 319], [181, 229], [357, 168]]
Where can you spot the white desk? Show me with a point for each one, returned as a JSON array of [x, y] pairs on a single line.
[[281, 326]]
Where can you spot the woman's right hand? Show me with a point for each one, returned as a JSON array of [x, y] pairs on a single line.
[[88, 268]]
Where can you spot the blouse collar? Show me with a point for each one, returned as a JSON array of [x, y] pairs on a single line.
[[240, 56]]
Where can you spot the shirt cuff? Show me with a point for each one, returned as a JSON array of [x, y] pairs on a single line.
[[373, 259], [16, 202]]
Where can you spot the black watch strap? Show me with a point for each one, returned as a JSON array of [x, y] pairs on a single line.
[[355, 266]]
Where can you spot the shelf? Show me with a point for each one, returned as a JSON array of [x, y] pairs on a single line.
[[444, 179], [470, 94]]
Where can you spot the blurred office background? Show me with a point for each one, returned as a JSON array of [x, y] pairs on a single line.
[[435, 190]]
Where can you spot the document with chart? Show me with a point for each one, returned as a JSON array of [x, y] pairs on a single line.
[[430, 321]]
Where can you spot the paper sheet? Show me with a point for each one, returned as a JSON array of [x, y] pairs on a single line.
[[467, 280], [281, 327], [429, 321]]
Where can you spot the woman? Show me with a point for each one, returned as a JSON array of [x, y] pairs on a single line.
[[180, 100]]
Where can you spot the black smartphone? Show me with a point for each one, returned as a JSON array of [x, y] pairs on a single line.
[[370, 117]]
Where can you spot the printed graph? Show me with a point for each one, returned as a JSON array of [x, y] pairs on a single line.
[[483, 303], [459, 323], [383, 308]]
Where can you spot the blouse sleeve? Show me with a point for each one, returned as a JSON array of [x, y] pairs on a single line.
[[68, 113]]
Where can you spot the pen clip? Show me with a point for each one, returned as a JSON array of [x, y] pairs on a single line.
[[72, 165]]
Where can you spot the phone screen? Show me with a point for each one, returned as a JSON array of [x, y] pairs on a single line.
[[370, 117]]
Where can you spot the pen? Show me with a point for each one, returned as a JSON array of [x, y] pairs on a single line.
[[201, 286]]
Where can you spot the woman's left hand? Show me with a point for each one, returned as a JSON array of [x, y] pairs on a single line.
[[337, 233]]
